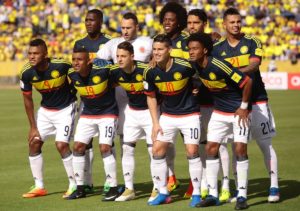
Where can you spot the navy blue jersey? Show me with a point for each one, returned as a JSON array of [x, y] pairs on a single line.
[[95, 91], [224, 82], [239, 56], [52, 84], [179, 47], [132, 83], [175, 86]]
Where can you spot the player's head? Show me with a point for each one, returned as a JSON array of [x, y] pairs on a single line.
[[173, 18], [129, 26], [80, 59], [196, 21], [162, 46], [200, 45], [93, 21], [125, 55], [37, 52], [232, 21]]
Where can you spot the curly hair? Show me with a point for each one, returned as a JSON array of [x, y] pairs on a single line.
[[178, 10]]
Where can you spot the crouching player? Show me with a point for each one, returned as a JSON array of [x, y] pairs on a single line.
[[99, 115]]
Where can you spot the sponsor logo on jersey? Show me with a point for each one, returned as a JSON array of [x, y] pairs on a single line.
[[177, 76], [244, 49], [139, 77], [96, 79], [55, 74], [212, 76]]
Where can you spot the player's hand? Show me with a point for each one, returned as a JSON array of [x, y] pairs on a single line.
[[195, 91], [243, 117], [155, 130], [34, 135]]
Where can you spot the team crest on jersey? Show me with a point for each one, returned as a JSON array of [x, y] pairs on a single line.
[[212, 76], [178, 44], [177, 76], [142, 49], [139, 77], [96, 79], [55, 74], [244, 49]]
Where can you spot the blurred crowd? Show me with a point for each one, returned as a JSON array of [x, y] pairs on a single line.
[[61, 22]]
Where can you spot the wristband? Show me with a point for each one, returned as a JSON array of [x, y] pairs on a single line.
[[244, 105]]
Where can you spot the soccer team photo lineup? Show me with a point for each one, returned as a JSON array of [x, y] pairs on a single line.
[[179, 73]]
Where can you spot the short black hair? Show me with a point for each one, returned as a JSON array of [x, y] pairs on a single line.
[[201, 14], [97, 12], [38, 42], [231, 11], [163, 38], [126, 46], [178, 10], [80, 49], [130, 15], [204, 39]]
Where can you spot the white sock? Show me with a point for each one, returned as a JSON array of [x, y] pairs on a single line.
[[110, 168], [224, 157], [78, 168], [160, 171], [270, 158], [170, 157], [36, 165], [88, 170], [128, 165], [242, 177], [195, 169], [69, 170], [212, 170], [151, 167], [234, 172], [203, 162]]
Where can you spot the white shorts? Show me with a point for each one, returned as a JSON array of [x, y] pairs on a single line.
[[138, 124], [188, 125], [122, 101], [262, 122], [56, 122], [206, 112], [222, 125], [89, 127]]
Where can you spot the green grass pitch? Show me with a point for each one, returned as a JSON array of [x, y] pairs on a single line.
[[15, 175]]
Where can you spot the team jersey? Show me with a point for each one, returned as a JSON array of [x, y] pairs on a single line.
[[92, 46], [179, 46], [52, 84], [224, 82], [132, 83], [142, 47], [175, 86], [95, 91], [239, 56]]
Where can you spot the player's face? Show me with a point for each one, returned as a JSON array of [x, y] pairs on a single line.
[[161, 51], [232, 24], [196, 51], [194, 24], [92, 23], [129, 29], [36, 55], [170, 22], [80, 61], [124, 58]]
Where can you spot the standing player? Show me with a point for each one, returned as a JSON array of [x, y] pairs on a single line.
[[55, 116], [99, 115], [231, 91], [196, 23], [92, 42], [128, 74], [245, 52], [172, 78]]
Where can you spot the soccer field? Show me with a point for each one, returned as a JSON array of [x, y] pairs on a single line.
[[16, 178]]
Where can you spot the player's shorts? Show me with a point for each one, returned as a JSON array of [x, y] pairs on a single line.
[[56, 122], [221, 125], [262, 122], [137, 125], [188, 125], [88, 127], [206, 112], [122, 101]]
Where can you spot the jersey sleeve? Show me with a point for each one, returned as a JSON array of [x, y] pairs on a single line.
[[255, 50], [25, 81], [148, 82], [105, 52]]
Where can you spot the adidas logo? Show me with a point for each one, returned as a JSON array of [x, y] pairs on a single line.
[[108, 176], [157, 178], [35, 78], [225, 177], [127, 174], [243, 188], [77, 83], [223, 53], [157, 78], [121, 79], [76, 175], [195, 180]]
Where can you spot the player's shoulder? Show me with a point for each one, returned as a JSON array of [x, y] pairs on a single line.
[[221, 64], [142, 65], [71, 71], [182, 62], [81, 39], [114, 67], [96, 66], [58, 61], [220, 42], [185, 35], [253, 39], [25, 69], [144, 38], [108, 37]]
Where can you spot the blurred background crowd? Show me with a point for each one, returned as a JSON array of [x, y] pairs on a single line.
[[61, 22]]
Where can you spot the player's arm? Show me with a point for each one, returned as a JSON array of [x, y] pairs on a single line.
[[105, 52]]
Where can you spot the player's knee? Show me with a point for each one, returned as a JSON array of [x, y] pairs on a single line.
[[128, 148], [79, 148], [192, 151], [211, 149], [240, 149], [105, 149]]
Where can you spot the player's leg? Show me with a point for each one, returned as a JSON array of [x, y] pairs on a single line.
[[173, 183], [224, 158]]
